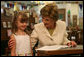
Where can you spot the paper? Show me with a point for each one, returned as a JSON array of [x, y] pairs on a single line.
[[50, 48], [9, 25], [9, 32], [4, 25]]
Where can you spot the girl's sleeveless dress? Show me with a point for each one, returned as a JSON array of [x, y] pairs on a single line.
[[23, 47]]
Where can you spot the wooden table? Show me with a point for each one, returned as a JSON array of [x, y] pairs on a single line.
[[72, 50]]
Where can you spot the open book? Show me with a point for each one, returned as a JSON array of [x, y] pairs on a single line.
[[50, 48]]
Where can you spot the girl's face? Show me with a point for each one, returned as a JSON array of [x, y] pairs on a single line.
[[48, 22], [21, 23]]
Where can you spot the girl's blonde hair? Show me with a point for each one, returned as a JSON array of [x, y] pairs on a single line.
[[24, 18]]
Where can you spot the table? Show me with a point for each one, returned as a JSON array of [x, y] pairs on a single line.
[[72, 50]]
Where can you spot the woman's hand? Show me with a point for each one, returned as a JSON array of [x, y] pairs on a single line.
[[11, 42], [72, 44]]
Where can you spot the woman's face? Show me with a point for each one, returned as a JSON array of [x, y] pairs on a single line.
[[48, 22], [20, 24]]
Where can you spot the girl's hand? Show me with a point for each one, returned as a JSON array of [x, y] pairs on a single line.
[[72, 44]]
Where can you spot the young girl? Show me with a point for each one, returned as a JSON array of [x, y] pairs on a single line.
[[22, 46]]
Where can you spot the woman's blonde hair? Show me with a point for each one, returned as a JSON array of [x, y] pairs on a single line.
[[50, 10], [24, 18]]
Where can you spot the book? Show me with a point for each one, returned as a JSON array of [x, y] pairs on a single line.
[[51, 48]]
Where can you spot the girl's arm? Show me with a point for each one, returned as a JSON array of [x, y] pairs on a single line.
[[13, 52]]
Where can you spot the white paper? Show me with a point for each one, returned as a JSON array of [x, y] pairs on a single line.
[[9, 25], [50, 48], [9, 32], [4, 25]]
